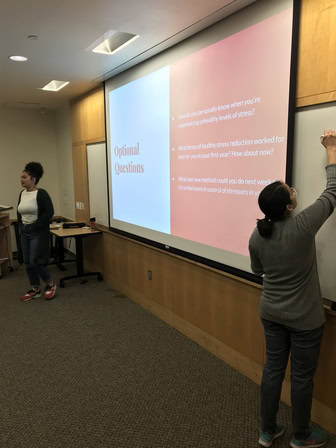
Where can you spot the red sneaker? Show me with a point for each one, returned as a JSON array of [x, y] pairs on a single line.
[[50, 291], [31, 294]]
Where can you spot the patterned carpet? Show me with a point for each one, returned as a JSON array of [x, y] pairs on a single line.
[[91, 368]]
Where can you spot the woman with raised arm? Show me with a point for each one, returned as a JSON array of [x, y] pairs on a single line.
[[282, 250], [34, 212]]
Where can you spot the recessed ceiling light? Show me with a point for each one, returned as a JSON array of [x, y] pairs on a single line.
[[55, 86], [111, 42], [18, 58]]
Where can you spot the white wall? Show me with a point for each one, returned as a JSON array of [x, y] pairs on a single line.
[[25, 136], [64, 163]]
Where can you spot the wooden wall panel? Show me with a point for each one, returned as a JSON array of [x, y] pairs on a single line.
[[128, 263], [93, 248], [222, 307], [325, 390], [76, 122], [6, 252], [88, 126], [81, 186], [316, 81], [160, 288], [122, 263], [88, 120]]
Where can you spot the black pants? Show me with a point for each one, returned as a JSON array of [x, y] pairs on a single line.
[[304, 347], [29, 245]]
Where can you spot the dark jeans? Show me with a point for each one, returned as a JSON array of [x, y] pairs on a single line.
[[304, 347], [29, 245]]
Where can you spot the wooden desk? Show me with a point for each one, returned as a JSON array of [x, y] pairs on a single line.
[[78, 234], [6, 253]]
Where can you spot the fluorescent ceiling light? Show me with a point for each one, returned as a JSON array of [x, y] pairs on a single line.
[[111, 42], [54, 86], [18, 58]]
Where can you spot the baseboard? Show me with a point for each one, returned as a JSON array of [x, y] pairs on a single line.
[[156, 309], [233, 358]]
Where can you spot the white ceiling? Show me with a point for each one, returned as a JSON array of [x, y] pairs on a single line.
[[67, 28]]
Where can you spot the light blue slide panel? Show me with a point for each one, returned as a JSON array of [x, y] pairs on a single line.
[[140, 148]]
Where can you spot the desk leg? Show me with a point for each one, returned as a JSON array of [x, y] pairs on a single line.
[[79, 265], [79, 254], [18, 243], [58, 254]]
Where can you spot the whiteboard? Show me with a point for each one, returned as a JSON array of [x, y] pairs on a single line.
[[310, 179], [96, 162]]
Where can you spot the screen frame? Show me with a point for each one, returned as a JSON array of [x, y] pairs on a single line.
[[288, 175]]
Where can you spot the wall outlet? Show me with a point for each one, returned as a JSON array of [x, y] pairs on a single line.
[[149, 275], [82, 205], [78, 205]]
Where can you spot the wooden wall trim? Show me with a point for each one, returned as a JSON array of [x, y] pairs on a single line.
[[90, 141], [331, 314], [239, 362], [106, 230], [80, 182], [179, 257], [155, 308], [315, 100], [87, 126], [88, 117], [316, 77], [87, 94]]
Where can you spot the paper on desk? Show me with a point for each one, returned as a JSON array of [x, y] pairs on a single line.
[[5, 207]]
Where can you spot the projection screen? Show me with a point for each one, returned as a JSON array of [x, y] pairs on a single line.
[[195, 133]]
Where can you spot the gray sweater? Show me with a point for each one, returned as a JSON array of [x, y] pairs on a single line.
[[291, 295]]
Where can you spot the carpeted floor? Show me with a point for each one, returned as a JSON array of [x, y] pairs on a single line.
[[91, 368]]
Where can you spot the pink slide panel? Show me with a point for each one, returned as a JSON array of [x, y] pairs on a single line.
[[229, 113]]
